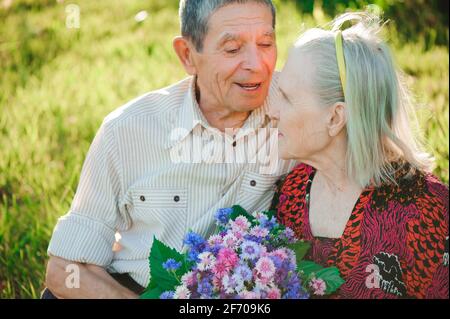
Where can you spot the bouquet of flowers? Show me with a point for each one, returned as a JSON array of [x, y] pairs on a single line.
[[251, 256]]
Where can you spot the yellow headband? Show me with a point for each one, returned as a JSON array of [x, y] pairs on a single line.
[[341, 59]]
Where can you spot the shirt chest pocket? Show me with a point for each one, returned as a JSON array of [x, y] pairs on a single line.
[[256, 191], [163, 210], [160, 198]]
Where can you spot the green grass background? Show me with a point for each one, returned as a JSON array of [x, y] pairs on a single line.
[[57, 84]]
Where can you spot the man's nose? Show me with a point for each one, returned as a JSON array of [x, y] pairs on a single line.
[[253, 59]]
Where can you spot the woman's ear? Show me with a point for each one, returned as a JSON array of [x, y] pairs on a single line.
[[184, 53], [337, 119]]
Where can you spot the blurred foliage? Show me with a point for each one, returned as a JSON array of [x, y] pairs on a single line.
[[415, 20], [57, 85]]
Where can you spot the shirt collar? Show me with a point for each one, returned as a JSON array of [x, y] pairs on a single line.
[[190, 116]]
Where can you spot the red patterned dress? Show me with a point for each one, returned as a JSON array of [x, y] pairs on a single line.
[[395, 244]]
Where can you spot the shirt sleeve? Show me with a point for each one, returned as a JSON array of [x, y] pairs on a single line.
[[86, 233]]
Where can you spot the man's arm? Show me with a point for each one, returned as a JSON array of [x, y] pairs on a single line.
[[95, 282], [84, 237]]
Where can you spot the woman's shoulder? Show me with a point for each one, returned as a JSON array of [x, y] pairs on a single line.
[[412, 187], [292, 184], [299, 174]]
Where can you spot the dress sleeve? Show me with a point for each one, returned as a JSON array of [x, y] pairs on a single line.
[[427, 275], [276, 196]]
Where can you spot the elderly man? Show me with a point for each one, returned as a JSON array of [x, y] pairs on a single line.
[[147, 172]]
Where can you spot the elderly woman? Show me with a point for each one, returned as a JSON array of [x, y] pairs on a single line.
[[363, 195]]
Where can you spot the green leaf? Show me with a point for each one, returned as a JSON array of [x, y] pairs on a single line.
[[300, 248], [308, 268], [332, 278], [152, 293], [160, 278]]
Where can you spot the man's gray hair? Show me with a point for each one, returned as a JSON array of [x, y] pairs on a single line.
[[195, 14]]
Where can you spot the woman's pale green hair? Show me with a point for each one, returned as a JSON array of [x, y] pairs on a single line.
[[380, 113]]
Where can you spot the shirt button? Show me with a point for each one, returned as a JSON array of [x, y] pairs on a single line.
[[253, 183], [176, 198], [142, 198], [234, 144]]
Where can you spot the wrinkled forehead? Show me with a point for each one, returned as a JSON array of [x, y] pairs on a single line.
[[241, 20]]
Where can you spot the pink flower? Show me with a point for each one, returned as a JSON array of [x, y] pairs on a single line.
[[220, 269], [273, 293], [263, 252], [318, 286], [280, 253], [249, 295], [239, 235], [228, 256], [259, 231], [188, 279], [215, 240], [230, 241], [262, 282], [217, 282], [241, 223], [207, 261], [182, 292], [265, 267]]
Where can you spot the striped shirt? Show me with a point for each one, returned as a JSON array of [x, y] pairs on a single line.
[[135, 185]]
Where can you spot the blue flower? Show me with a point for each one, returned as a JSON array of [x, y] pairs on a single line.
[[195, 241], [205, 288], [256, 239], [167, 295], [244, 271], [294, 289], [215, 249], [223, 215], [288, 235], [276, 261], [192, 255], [266, 223], [171, 265]]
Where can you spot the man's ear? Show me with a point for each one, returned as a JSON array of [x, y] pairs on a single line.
[[184, 52], [337, 118]]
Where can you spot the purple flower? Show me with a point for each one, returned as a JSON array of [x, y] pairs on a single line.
[[244, 271], [288, 235], [223, 215], [171, 265], [167, 295], [205, 288], [250, 250]]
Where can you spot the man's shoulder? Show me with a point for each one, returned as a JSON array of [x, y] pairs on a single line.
[[151, 105]]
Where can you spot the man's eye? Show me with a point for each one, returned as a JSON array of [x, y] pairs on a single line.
[[232, 50]]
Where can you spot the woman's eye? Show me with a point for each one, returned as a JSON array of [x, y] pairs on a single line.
[[266, 45]]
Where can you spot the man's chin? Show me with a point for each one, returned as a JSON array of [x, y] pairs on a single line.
[[249, 106]]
